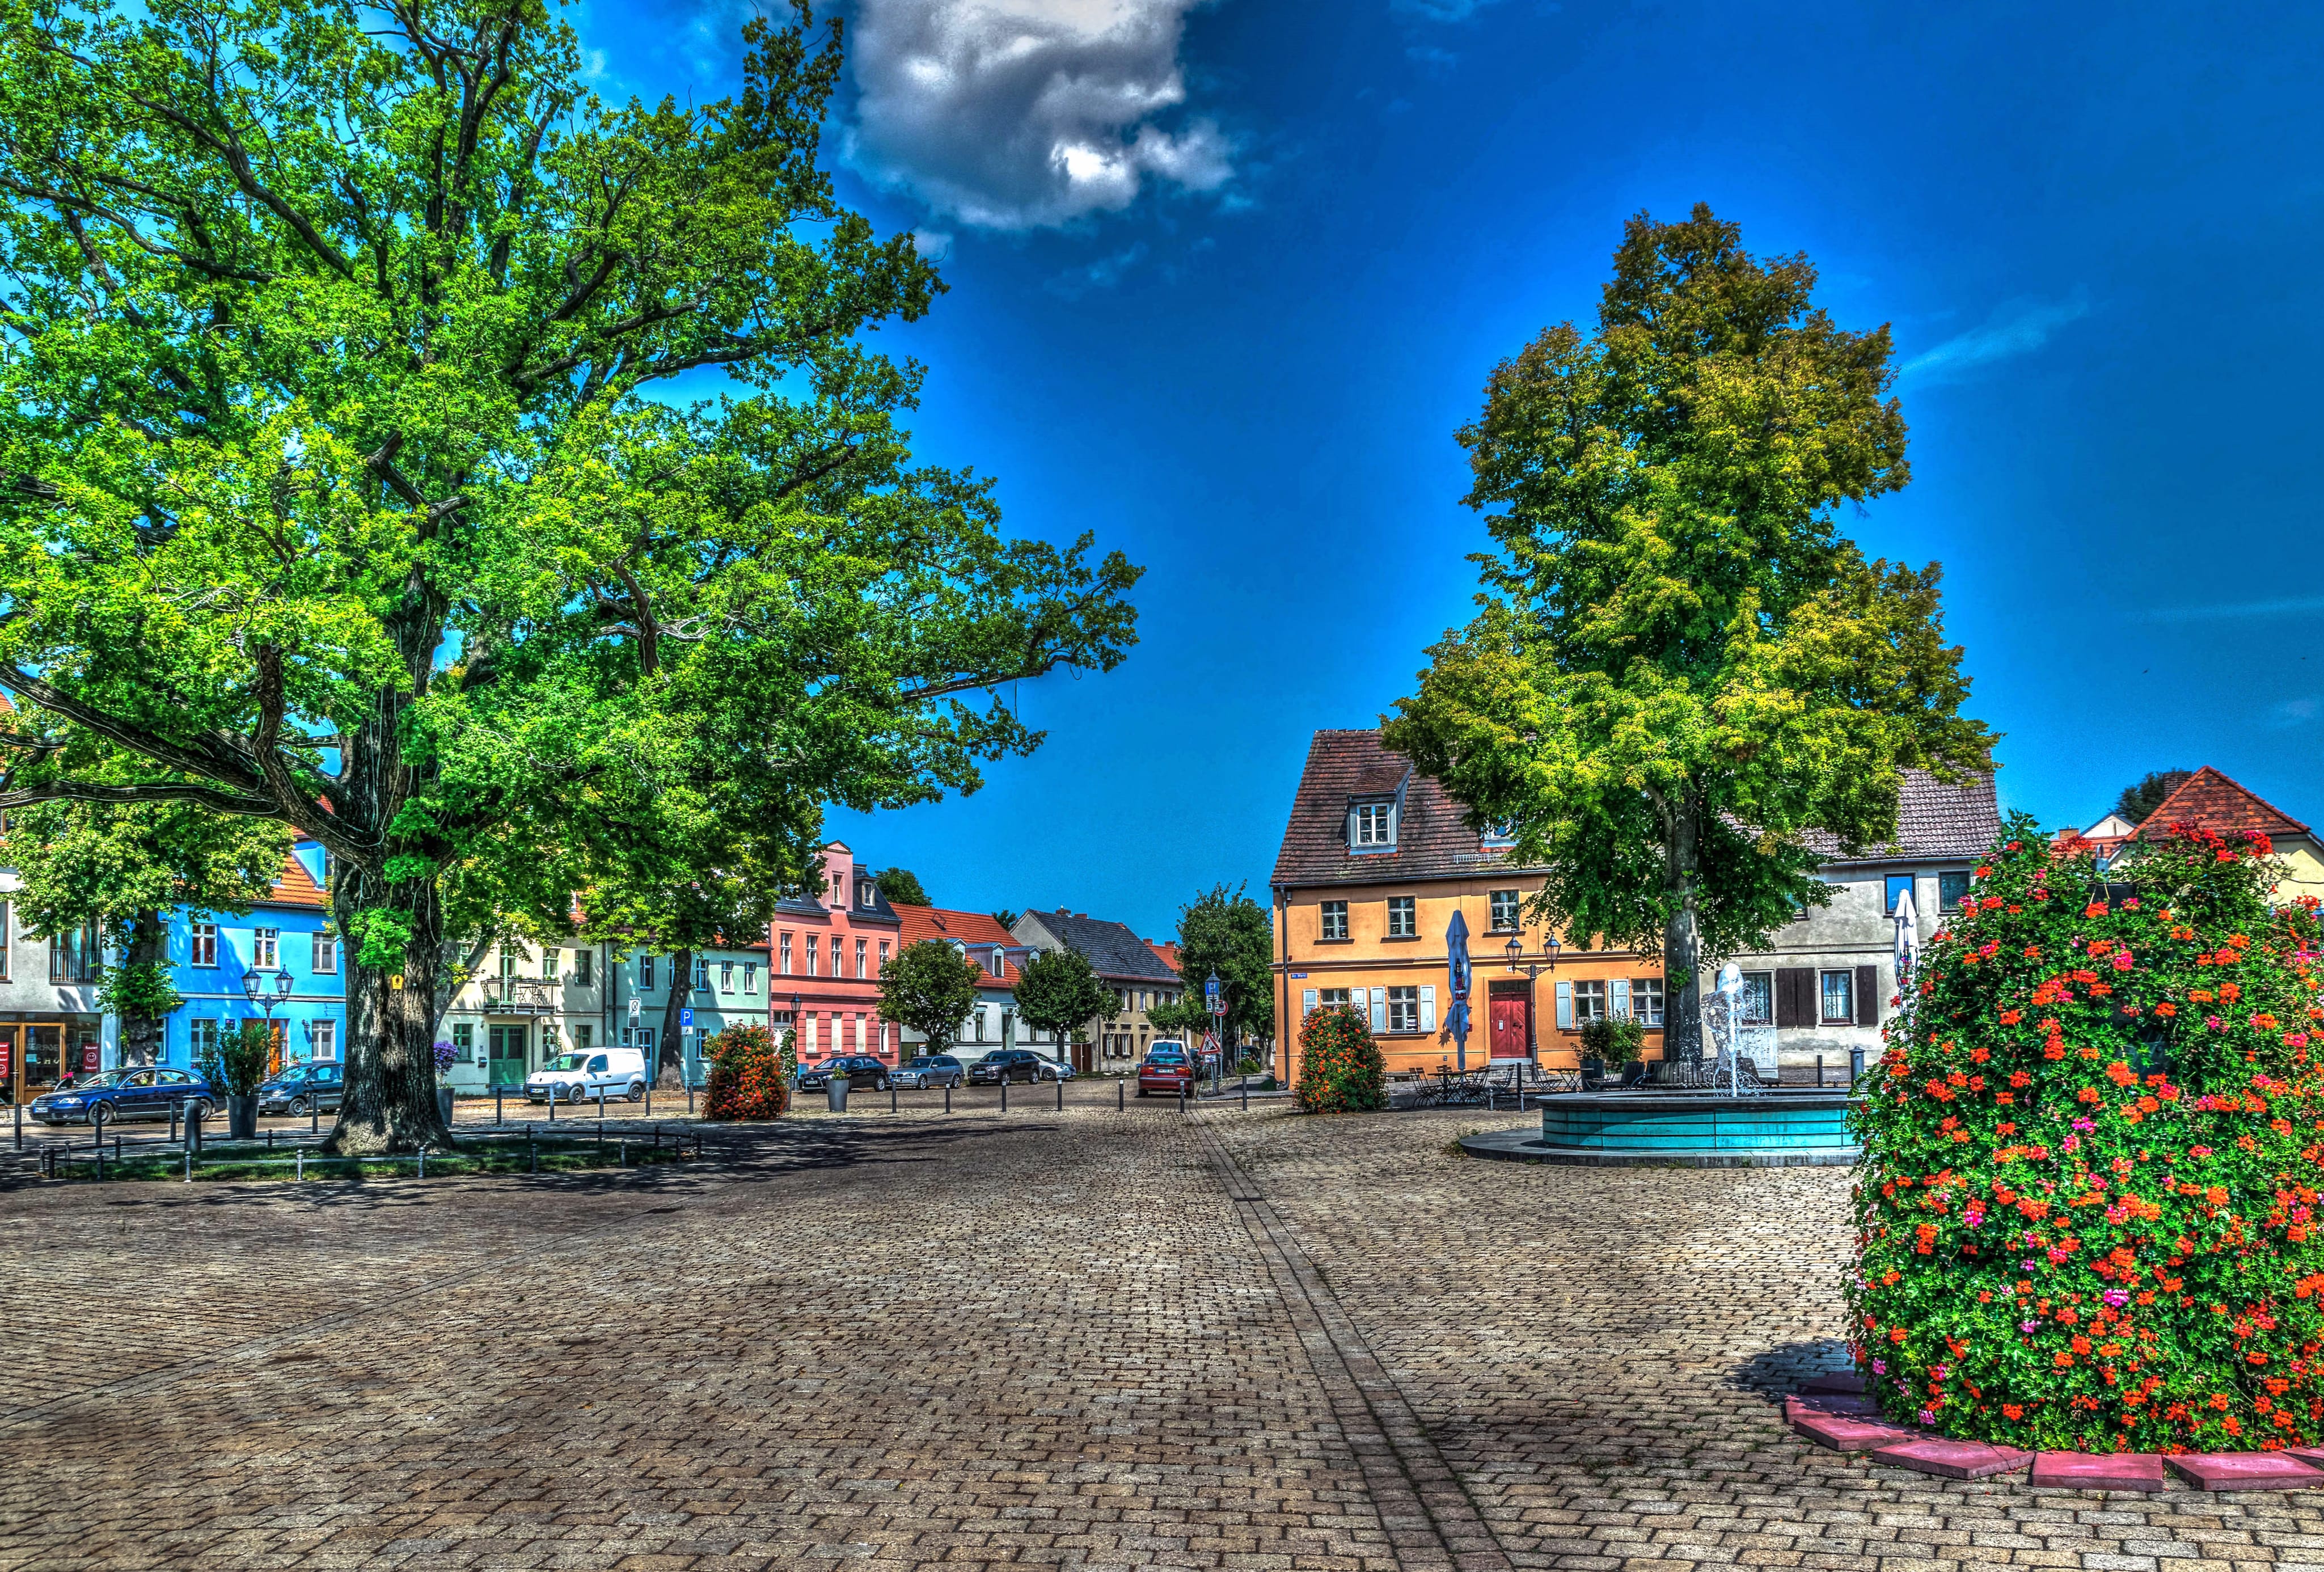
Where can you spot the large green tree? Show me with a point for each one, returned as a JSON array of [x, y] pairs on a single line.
[[1229, 933], [1682, 673], [335, 489], [2138, 801], [930, 987], [1059, 991]]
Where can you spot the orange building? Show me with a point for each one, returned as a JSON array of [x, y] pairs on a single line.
[[1376, 864]]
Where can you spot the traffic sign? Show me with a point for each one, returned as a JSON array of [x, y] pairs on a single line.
[[685, 1017]]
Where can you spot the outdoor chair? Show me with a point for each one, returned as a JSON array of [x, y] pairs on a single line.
[[1634, 1074], [1593, 1074]]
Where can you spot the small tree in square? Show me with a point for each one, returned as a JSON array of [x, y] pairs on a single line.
[[1341, 1070], [930, 987], [746, 1074]]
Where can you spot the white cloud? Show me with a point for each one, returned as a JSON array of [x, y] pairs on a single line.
[[1018, 113], [2017, 328], [2290, 713], [932, 244], [1102, 275]]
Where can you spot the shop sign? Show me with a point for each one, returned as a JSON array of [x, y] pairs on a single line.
[[88, 1057]]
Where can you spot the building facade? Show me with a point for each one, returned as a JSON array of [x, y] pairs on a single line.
[[49, 1019], [992, 1020], [729, 985], [287, 935], [526, 1003], [1377, 861], [1139, 973], [826, 947], [2223, 806], [1825, 983]]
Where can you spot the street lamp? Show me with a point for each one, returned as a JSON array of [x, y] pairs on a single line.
[[1516, 954], [253, 988]]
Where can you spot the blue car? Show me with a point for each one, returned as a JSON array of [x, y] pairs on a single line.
[[304, 1089], [131, 1093]]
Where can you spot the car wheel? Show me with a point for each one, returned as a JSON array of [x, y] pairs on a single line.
[[574, 1094], [637, 1091], [199, 1109], [882, 1083], [300, 1107]]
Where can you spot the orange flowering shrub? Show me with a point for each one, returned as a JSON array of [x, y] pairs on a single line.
[[1341, 1070], [746, 1076], [2086, 1211]]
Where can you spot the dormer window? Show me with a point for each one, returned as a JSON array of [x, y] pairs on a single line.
[[997, 961], [1501, 832], [864, 892], [1371, 826]]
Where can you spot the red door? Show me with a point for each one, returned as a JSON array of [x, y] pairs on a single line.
[[1512, 1029]]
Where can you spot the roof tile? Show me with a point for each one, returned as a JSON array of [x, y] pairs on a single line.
[[2221, 804]]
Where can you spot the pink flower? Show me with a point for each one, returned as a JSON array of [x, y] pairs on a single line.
[[1880, 1367], [2083, 1124], [2122, 960], [2212, 1022]]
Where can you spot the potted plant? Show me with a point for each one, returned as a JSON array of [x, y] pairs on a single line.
[[236, 1067], [446, 1056], [1613, 1041]]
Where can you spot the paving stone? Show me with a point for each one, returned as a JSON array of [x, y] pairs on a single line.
[[1953, 1459], [2246, 1471], [1848, 1432]]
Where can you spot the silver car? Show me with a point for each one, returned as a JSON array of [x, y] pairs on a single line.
[[930, 1069]]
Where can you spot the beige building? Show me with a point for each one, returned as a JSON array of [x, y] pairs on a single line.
[[525, 1004], [2225, 807], [1135, 970]]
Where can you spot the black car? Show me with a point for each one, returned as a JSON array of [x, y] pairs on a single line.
[[129, 1093], [304, 1089], [861, 1070], [1006, 1064]]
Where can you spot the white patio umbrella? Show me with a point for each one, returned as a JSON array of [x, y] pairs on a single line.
[[1908, 941]]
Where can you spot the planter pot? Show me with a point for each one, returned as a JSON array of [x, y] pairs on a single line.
[[444, 1105], [835, 1094], [242, 1117]]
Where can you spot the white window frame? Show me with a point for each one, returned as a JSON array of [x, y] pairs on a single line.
[[1647, 1000], [1403, 1008], [1588, 999], [1846, 975], [551, 958], [1506, 906], [1758, 986], [750, 976], [726, 976], [325, 960], [1332, 921], [1404, 917], [1371, 827], [203, 945], [266, 947], [784, 945]]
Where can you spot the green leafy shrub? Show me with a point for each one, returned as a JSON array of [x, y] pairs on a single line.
[[1614, 1039], [746, 1076], [1341, 1070], [2086, 1213], [238, 1065]]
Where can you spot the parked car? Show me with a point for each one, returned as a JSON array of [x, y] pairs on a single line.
[[1007, 1064], [304, 1089], [1056, 1069], [931, 1069], [1165, 1072], [861, 1069], [581, 1077], [129, 1093]]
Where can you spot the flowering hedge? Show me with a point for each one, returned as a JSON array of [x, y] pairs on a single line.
[[2086, 1213], [1341, 1070], [746, 1076]]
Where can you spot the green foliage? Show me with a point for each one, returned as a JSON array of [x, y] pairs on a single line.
[[1613, 1039], [238, 1065], [1341, 1070], [1005, 917], [1675, 639], [1059, 991], [930, 987], [2137, 802], [2086, 1213], [1231, 934], [748, 1075], [1184, 1017], [902, 888], [334, 469], [141, 989], [86, 861]]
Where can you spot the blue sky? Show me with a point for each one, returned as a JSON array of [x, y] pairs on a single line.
[[1226, 277]]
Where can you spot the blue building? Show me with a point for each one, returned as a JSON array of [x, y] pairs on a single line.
[[290, 934]]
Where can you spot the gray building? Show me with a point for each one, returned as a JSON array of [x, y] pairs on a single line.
[[1136, 972], [1825, 984], [48, 1018]]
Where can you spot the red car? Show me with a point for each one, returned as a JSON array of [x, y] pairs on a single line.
[[1165, 1072]]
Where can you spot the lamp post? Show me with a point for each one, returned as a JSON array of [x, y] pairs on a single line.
[[253, 988], [1531, 966]]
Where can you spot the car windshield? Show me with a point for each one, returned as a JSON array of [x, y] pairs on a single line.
[[831, 1063], [922, 1063], [101, 1078], [567, 1061], [1172, 1056]]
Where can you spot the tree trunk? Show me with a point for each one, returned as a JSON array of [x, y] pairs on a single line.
[[149, 945], [390, 1101], [668, 1053], [1683, 933]]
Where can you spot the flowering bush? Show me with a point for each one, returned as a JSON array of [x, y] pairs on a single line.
[[2086, 1214], [746, 1076], [1341, 1070], [446, 1056]]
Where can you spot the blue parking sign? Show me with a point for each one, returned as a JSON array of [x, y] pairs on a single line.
[[685, 1017]]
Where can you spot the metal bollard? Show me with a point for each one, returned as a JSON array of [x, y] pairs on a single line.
[[100, 1160], [19, 1109], [531, 1154], [499, 1115], [315, 1114], [552, 1104], [1182, 1102], [423, 1163], [948, 1096], [891, 1096], [298, 1166], [270, 1141], [189, 1165], [648, 1099], [96, 1130], [116, 1149], [1117, 1097], [625, 1154], [689, 1099], [1819, 1069], [1004, 1091], [1246, 1094], [173, 1126], [601, 1116]]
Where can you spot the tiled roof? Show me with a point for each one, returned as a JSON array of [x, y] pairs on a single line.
[[293, 887], [1431, 841], [979, 930], [2221, 805], [1111, 950], [1933, 820], [1168, 951]]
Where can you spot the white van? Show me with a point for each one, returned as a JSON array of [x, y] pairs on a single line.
[[581, 1075]]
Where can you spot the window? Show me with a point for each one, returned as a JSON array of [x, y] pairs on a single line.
[[811, 967], [1335, 920], [263, 947], [701, 974], [74, 957], [464, 1040], [326, 953], [785, 948], [645, 971], [1504, 911], [1952, 889], [5, 947], [859, 948], [1758, 1000], [864, 889], [1589, 1002], [1839, 998], [883, 955], [726, 976], [1402, 921], [1898, 885], [1404, 1009], [645, 1043], [1647, 1000], [550, 958], [508, 961], [750, 976], [205, 945], [1327, 996], [202, 1038], [584, 1037], [980, 1027], [1369, 827], [326, 1037], [584, 967]]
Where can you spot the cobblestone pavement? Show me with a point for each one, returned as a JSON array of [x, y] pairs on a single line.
[[1078, 1338]]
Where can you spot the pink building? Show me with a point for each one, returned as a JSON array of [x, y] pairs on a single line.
[[826, 948]]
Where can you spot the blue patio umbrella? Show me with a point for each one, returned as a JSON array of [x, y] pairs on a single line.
[[1456, 964]]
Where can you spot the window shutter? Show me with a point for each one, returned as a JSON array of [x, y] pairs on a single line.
[[1309, 1002], [1619, 1003], [1565, 1006], [1379, 1009], [1868, 995], [1428, 1007], [1350, 828], [1795, 996]]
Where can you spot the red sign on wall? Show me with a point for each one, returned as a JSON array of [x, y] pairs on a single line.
[[7, 1059], [88, 1057]]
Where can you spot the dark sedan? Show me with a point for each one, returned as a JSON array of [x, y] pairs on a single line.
[[304, 1089], [132, 1094], [861, 1070], [1007, 1064], [1165, 1072]]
